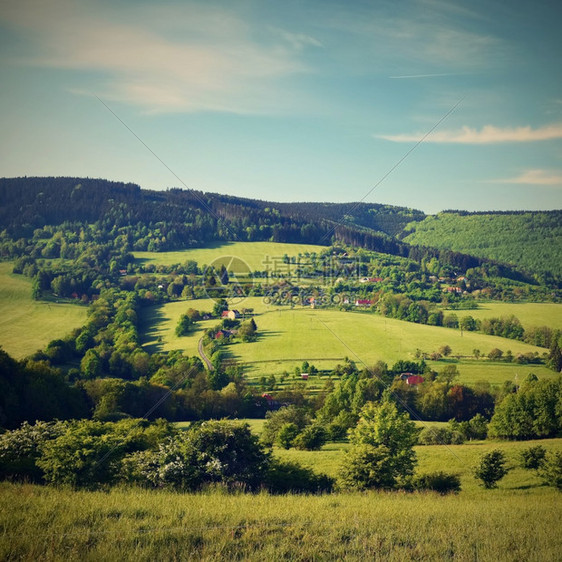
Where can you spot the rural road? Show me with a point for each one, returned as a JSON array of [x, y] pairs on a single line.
[[206, 360]]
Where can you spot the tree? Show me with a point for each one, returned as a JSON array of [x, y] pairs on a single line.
[[551, 470], [223, 275], [495, 354], [276, 420], [287, 434], [247, 331], [445, 350], [533, 457], [491, 468], [184, 325], [220, 306], [382, 454]]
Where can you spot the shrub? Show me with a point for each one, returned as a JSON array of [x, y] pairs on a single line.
[[311, 438], [276, 420], [442, 482], [286, 435], [551, 470], [440, 436], [368, 466], [491, 468], [20, 449], [87, 454], [284, 477], [215, 452], [533, 457]]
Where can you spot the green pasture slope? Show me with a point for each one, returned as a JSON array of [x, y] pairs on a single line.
[[255, 254], [27, 325], [288, 336], [520, 520], [530, 314]]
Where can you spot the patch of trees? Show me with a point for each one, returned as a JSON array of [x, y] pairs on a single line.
[[33, 390], [534, 411], [93, 454]]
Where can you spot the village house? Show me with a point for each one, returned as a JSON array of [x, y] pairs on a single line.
[[231, 314]]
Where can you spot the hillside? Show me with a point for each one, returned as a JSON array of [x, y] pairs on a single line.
[[177, 219], [531, 240]]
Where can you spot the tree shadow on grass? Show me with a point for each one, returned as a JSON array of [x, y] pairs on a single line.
[[149, 328]]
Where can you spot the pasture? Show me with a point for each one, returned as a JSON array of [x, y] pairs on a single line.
[[257, 255], [530, 314], [27, 325], [289, 336], [517, 521]]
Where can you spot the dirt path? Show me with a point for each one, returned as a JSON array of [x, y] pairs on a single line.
[[206, 360]]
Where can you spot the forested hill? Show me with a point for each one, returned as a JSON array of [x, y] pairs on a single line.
[[181, 218], [530, 240], [40, 201]]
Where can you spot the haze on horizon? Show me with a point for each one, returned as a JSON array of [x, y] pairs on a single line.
[[293, 101]]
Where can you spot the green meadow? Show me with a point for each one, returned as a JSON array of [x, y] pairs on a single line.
[[517, 521], [27, 325], [289, 336], [254, 254], [530, 314]]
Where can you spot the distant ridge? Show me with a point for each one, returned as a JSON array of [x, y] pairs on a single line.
[[183, 218]]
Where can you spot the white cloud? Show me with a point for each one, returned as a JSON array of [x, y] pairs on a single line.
[[210, 61], [535, 177], [487, 135]]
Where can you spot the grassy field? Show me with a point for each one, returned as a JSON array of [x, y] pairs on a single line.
[[530, 314], [288, 336], [452, 458], [27, 325], [518, 521], [254, 254]]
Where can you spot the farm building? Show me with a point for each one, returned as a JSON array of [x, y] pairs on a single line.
[[231, 314]]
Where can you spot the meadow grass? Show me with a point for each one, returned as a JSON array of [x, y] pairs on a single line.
[[510, 523], [254, 254], [530, 314], [27, 325], [324, 337]]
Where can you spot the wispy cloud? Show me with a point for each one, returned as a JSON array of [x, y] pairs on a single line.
[[487, 135], [404, 76], [297, 40], [535, 177], [212, 63]]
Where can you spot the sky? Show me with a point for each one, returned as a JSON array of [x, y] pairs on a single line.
[[428, 104]]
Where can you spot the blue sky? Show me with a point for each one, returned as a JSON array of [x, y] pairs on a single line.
[[293, 100]]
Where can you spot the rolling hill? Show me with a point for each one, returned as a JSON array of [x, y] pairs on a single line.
[[531, 241]]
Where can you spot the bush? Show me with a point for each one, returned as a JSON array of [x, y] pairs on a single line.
[[311, 438], [215, 452], [491, 468], [284, 477], [440, 436], [551, 470], [533, 457], [87, 454], [368, 466], [276, 420], [20, 449], [286, 435], [442, 482]]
